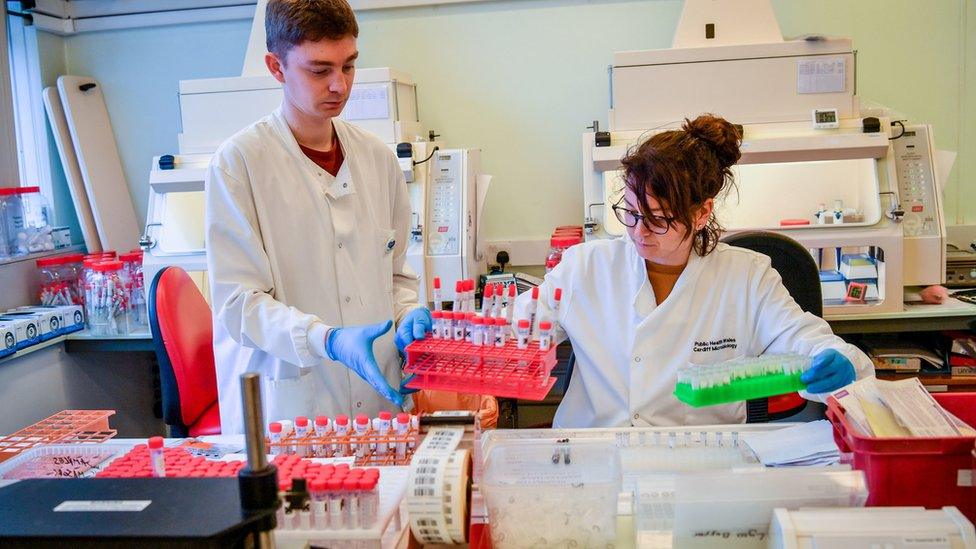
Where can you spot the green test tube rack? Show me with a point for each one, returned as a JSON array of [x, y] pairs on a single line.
[[740, 379]]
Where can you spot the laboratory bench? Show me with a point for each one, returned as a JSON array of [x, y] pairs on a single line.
[[914, 317]]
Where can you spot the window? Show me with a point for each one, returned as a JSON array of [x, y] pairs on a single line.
[[9, 165]]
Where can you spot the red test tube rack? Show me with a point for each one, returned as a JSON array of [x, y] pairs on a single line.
[[458, 366]]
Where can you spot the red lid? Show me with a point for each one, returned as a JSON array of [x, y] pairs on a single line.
[[501, 321], [354, 473], [437, 283], [284, 484], [26, 190], [275, 427], [511, 290], [558, 294], [564, 241], [545, 325], [90, 262], [436, 314], [793, 222], [74, 258], [321, 420], [155, 443], [342, 467], [469, 285], [577, 228], [386, 416], [368, 483], [551, 263], [373, 471], [107, 266], [535, 293], [52, 261], [459, 315], [110, 253], [524, 323], [131, 257], [317, 485], [350, 484], [342, 420], [301, 421], [470, 316], [489, 290], [9, 191], [459, 286], [362, 419], [403, 418], [477, 320]]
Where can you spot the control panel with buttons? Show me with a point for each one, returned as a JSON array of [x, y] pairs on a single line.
[[445, 206], [916, 182]]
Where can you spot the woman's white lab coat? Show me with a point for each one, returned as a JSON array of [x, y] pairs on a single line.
[[292, 251], [628, 348]]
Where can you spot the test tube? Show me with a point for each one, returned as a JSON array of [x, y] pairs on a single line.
[[447, 325], [400, 428], [383, 425], [274, 434], [533, 307], [436, 330], [156, 457], [469, 326], [477, 331], [545, 335], [524, 331], [510, 303], [415, 427], [321, 431], [369, 500], [436, 294], [317, 490], [557, 297], [350, 507], [287, 428], [489, 329], [458, 325], [301, 432], [333, 488], [459, 296], [342, 431], [501, 331], [361, 427], [469, 289], [488, 299]]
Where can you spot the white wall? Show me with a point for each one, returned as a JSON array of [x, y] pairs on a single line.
[[521, 79]]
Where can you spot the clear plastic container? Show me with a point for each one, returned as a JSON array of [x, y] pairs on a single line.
[[11, 217], [25, 213], [106, 299], [137, 315], [549, 494], [558, 244], [59, 280]]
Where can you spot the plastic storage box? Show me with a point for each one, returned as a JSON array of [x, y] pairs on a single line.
[[930, 471], [552, 494]]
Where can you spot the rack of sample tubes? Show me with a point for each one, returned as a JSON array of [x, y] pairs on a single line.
[[740, 379], [473, 353], [385, 440]]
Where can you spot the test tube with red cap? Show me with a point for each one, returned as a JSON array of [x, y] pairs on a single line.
[[533, 307], [436, 295], [333, 490], [459, 295], [501, 331], [301, 432], [436, 318], [341, 430], [322, 429], [488, 300], [360, 428], [400, 428], [545, 335], [350, 504], [557, 298], [469, 287], [320, 498], [156, 459], [510, 302], [523, 333], [489, 328], [458, 325], [477, 331], [383, 425], [274, 435], [469, 326], [369, 499]]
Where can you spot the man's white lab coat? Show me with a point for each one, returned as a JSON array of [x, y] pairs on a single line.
[[628, 348], [292, 251]]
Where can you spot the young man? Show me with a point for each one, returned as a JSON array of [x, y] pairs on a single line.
[[306, 226]]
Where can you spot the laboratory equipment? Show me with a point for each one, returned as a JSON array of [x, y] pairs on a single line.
[[368, 442], [871, 527], [106, 299], [740, 379], [929, 471], [64, 427], [875, 180], [60, 319], [25, 216], [552, 494], [136, 312]]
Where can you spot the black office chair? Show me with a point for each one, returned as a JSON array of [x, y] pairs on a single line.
[[801, 277]]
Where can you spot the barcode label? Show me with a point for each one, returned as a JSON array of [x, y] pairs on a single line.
[[423, 492]]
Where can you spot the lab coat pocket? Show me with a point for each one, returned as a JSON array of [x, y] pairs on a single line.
[[290, 397], [386, 242]]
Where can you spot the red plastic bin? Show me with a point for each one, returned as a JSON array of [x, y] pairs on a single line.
[[461, 367], [928, 471]]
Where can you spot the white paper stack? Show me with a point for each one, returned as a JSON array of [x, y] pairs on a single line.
[[805, 444]]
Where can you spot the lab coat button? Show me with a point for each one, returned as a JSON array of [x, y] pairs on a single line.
[[340, 245], [636, 416], [637, 359], [348, 299], [359, 404], [344, 185]]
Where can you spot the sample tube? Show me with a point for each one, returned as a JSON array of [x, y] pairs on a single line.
[[510, 303], [350, 504], [320, 498], [436, 330], [341, 431], [321, 431], [545, 335], [469, 326], [301, 431], [524, 332], [501, 331], [333, 489], [533, 307], [383, 426], [436, 294], [274, 434], [361, 427], [459, 296], [488, 299], [477, 331], [369, 500], [489, 331], [156, 457], [400, 428]]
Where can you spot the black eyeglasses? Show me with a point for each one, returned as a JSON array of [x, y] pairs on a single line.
[[657, 224]]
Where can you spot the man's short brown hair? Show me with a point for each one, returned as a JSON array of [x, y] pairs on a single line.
[[288, 23]]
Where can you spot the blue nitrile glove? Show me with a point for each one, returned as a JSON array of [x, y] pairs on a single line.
[[831, 370], [414, 325], [353, 346]]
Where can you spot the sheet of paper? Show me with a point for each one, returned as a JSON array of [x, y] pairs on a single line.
[[915, 408], [805, 444], [821, 75], [367, 102]]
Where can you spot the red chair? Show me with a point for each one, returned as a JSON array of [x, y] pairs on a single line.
[[180, 320]]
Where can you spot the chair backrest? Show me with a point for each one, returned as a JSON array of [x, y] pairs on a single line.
[[180, 320], [791, 260]]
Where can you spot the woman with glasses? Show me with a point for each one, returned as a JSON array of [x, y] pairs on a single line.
[[668, 294]]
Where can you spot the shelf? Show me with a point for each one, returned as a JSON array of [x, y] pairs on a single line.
[[40, 255], [949, 382]]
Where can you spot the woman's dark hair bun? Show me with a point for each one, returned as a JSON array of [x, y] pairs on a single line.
[[717, 133]]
